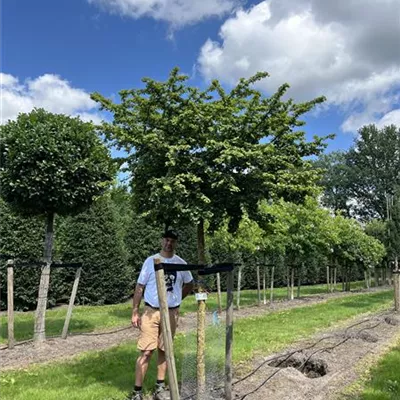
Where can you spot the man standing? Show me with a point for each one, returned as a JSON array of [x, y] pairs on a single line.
[[178, 285]]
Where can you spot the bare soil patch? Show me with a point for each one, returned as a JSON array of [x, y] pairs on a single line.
[[321, 367]]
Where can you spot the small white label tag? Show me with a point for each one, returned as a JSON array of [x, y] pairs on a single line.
[[201, 296]]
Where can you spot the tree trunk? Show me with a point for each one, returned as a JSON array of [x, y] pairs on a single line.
[[288, 282], [238, 287], [40, 315], [342, 270], [298, 282], [264, 286], [271, 295], [292, 285], [347, 279], [258, 287], [396, 276], [334, 279], [375, 277], [327, 279], [201, 320], [10, 303], [366, 279]]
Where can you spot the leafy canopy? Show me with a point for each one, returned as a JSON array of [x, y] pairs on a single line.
[[52, 163], [211, 154]]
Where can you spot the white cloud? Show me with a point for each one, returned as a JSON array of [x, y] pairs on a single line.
[[47, 91], [348, 50], [391, 118], [175, 12]]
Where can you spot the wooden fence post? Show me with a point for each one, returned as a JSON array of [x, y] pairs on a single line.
[[166, 331], [10, 303], [229, 337], [71, 303]]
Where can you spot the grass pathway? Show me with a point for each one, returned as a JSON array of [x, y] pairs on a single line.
[[108, 374]]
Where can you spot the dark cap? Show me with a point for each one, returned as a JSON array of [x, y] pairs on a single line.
[[170, 234]]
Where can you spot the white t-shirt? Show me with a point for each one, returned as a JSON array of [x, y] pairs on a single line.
[[173, 281]]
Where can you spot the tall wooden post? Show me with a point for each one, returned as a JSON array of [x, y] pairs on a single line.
[[229, 337], [71, 303], [201, 320], [166, 331], [10, 303]]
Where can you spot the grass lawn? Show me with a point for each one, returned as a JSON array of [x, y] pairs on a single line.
[[384, 382], [109, 374], [95, 318]]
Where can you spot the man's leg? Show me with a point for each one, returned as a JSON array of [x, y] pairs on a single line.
[[161, 365], [142, 363]]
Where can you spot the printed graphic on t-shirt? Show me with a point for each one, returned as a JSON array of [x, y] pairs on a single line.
[[170, 279]]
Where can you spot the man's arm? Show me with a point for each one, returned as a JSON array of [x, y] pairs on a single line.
[[187, 289], [137, 298]]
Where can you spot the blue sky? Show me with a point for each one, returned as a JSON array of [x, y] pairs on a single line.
[[55, 53]]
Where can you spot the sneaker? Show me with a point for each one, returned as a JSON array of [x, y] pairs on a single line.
[[135, 396], [161, 393]]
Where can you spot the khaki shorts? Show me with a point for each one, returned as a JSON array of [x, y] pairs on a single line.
[[151, 336]]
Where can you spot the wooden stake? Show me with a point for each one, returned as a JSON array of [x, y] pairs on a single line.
[[201, 320], [10, 303], [327, 279], [264, 288], [288, 282], [334, 278], [71, 303], [271, 295], [298, 281], [229, 337], [292, 285], [166, 332], [396, 277]]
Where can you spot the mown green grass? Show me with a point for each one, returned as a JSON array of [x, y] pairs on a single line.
[[384, 382], [96, 318], [109, 374]]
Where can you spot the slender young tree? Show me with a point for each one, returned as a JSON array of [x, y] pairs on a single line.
[[51, 164], [198, 156]]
